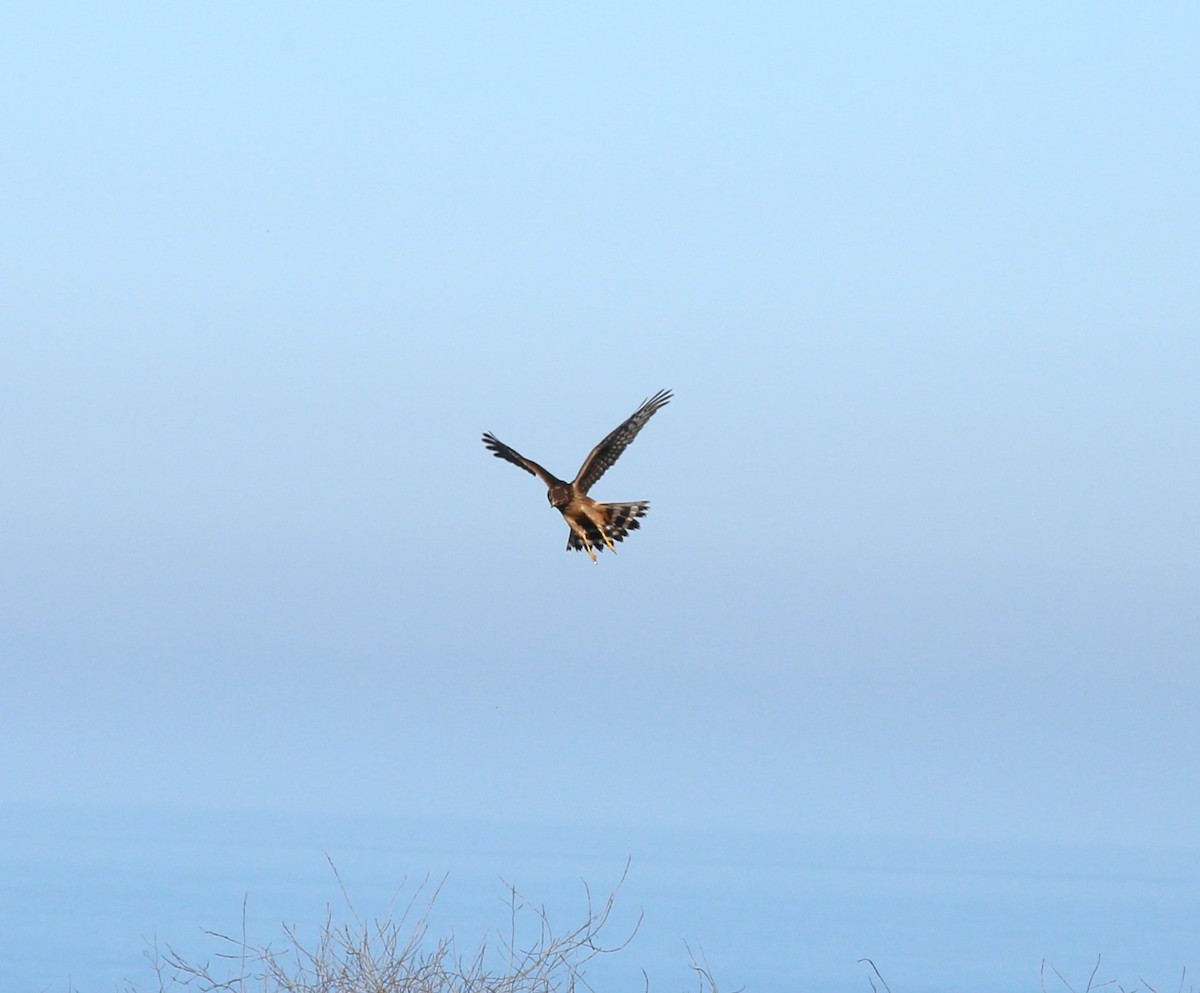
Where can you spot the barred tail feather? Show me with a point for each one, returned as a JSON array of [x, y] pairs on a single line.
[[619, 520], [623, 518]]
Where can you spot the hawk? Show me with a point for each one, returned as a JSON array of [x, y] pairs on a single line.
[[593, 525]]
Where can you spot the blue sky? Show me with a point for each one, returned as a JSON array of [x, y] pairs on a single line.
[[923, 552]]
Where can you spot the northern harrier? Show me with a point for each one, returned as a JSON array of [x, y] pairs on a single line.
[[593, 525]]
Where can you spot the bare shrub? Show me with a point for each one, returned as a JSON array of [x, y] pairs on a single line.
[[1092, 984], [398, 955], [1091, 987]]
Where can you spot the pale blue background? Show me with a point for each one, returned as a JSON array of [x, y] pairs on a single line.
[[923, 560]]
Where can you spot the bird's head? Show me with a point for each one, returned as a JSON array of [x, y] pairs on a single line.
[[559, 495]]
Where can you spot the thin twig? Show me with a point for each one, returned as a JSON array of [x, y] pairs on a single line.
[[878, 973]]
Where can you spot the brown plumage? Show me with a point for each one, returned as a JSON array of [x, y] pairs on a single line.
[[593, 525]]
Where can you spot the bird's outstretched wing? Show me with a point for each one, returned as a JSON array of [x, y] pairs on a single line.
[[601, 458], [502, 451]]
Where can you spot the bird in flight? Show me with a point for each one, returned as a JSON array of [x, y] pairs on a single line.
[[593, 525]]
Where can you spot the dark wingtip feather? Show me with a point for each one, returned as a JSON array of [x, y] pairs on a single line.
[[660, 399], [492, 444]]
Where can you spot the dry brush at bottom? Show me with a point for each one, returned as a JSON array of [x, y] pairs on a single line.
[[398, 955]]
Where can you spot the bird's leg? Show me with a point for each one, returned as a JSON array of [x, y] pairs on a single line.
[[587, 547], [600, 519]]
